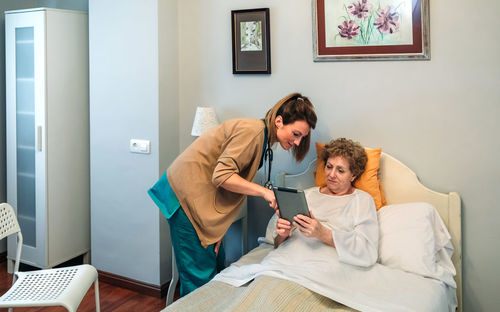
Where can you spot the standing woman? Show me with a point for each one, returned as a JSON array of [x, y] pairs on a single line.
[[203, 189]]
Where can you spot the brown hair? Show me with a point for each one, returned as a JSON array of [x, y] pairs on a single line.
[[352, 151], [292, 108]]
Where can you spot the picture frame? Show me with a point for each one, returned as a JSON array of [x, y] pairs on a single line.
[[370, 30], [251, 41]]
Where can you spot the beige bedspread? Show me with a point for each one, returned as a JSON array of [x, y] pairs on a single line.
[[263, 294]]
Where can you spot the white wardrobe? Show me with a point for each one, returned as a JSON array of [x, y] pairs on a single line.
[[47, 111]]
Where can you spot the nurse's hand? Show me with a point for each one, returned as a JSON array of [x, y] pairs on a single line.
[[217, 247], [269, 197], [237, 184]]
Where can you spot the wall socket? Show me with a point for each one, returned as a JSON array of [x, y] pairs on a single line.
[[140, 146]]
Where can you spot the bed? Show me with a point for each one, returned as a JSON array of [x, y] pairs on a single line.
[[268, 293]]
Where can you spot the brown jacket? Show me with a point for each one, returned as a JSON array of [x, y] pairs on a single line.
[[196, 175]]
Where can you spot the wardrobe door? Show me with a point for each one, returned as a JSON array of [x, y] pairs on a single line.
[[25, 112]]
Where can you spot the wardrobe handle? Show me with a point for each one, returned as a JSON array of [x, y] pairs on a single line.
[[39, 138]]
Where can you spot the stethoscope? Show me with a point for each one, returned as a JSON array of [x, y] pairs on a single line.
[[268, 155]]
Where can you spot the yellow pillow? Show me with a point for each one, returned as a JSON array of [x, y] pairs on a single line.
[[368, 181], [382, 195]]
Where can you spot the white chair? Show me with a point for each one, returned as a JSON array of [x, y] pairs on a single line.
[[52, 287]]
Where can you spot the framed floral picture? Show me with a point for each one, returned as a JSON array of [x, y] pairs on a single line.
[[365, 30], [251, 41]]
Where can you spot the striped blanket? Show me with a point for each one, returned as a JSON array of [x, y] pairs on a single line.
[[265, 293]]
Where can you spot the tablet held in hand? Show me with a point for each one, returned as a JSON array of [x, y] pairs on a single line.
[[291, 202]]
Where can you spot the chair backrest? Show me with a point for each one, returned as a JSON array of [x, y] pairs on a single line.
[[8, 226], [8, 221]]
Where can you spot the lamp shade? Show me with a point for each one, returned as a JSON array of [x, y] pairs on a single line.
[[204, 119]]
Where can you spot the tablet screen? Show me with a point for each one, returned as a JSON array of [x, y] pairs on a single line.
[[291, 202]]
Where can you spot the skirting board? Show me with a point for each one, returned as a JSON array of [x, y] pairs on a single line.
[[137, 286]]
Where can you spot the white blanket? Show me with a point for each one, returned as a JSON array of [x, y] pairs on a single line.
[[315, 265]]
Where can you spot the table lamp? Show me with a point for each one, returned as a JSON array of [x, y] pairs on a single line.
[[204, 119]]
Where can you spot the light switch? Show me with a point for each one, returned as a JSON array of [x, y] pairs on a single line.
[[140, 146]]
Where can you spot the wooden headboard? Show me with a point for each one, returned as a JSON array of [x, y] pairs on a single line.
[[401, 185]]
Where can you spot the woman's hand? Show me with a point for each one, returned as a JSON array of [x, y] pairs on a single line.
[[283, 229], [237, 184], [217, 247], [283, 226], [311, 227], [269, 197]]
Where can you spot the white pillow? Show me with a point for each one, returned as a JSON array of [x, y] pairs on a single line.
[[413, 238]]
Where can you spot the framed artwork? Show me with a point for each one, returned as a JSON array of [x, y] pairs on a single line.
[[365, 30], [251, 41]]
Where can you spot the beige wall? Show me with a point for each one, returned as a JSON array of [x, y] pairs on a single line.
[[439, 116]]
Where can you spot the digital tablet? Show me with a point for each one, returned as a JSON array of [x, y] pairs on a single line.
[[291, 202]]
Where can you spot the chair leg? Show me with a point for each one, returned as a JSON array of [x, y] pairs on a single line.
[[10, 266], [96, 294], [86, 258], [173, 281]]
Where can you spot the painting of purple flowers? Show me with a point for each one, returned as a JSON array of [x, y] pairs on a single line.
[[368, 22], [374, 29]]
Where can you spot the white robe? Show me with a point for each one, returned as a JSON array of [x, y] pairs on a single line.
[[353, 221]]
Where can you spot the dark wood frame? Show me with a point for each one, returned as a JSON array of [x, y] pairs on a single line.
[[419, 50], [251, 62]]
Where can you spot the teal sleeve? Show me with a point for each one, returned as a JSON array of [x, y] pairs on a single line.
[[164, 197]]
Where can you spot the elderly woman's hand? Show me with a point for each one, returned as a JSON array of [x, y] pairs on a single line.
[[283, 226], [309, 227]]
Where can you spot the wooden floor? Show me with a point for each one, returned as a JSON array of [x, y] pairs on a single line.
[[112, 298]]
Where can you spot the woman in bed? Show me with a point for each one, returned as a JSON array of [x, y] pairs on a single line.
[[342, 216], [203, 189]]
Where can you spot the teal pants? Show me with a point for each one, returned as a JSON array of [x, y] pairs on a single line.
[[196, 265]]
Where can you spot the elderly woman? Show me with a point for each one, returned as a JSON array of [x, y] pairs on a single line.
[[342, 216]]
